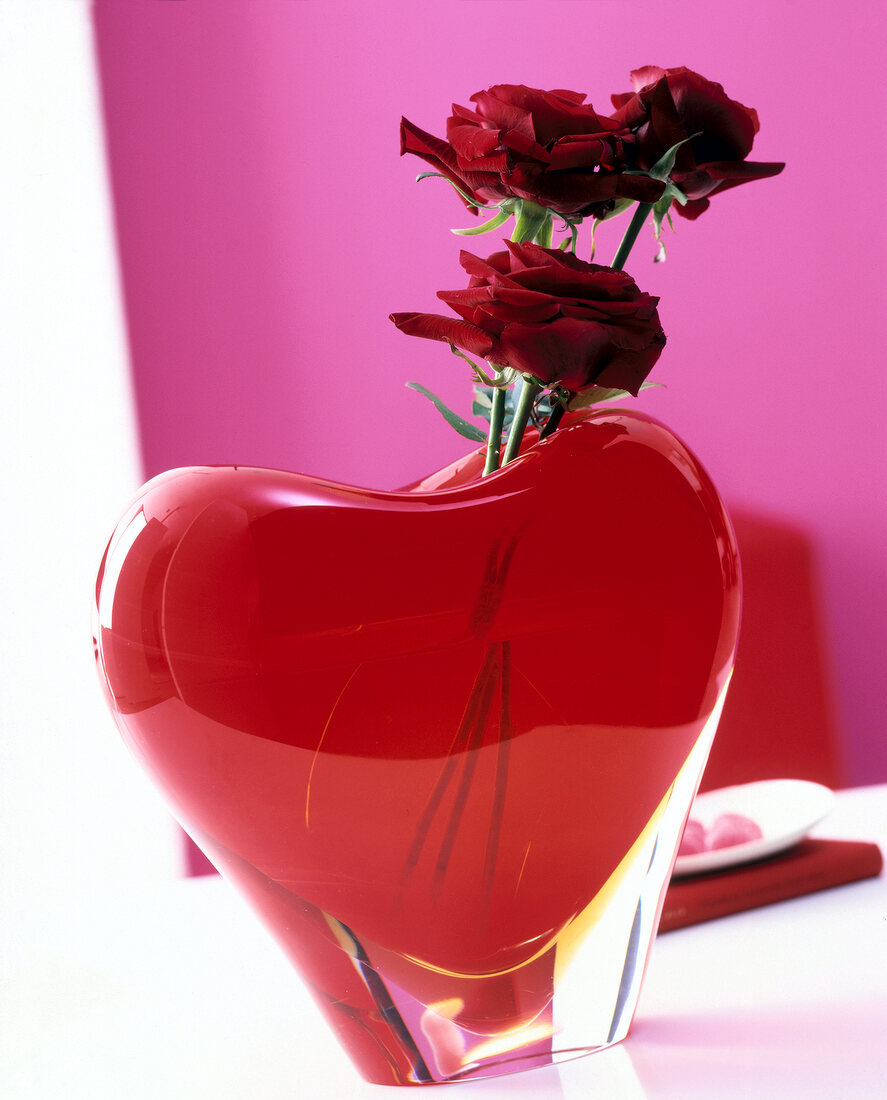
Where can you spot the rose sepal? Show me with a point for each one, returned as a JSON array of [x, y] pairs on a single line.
[[488, 226], [473, 204], [531, 221]]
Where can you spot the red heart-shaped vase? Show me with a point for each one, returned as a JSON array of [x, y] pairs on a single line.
[[438, 736]]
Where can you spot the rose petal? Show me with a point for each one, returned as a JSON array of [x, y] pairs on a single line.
[[496, 163], [704, 105], [645, 76], [525, 147], [467, 114], [664, 129], [577, 98], [742, 170], [439, 154], [563, 192], [562, 273], [466, 302], [519, 296], [471, 143], [491, 268], [564, 350], [629, 369], [553, 113], [639, 188], [525, 314], [433, 327], [692, 209], [583, 151], [502, 113]]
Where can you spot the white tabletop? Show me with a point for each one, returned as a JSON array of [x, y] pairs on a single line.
[[178, 992]]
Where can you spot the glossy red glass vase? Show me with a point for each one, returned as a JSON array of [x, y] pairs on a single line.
[[444, 739]]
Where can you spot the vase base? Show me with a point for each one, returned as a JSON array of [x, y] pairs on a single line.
[[524, 1063]]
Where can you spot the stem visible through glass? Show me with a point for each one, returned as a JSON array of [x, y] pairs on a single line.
[[640, 215]]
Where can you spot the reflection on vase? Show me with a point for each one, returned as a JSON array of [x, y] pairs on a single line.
[[444, 739]]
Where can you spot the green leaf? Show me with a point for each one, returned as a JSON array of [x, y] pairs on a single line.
[[483, 402], [594, 395], [462, 426]]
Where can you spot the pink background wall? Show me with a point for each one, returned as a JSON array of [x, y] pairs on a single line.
[[267, 227]]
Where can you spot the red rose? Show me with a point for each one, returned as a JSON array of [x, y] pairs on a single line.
[[524, 143], [546, 313], [669, 105]]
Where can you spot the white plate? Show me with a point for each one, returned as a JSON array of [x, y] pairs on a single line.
[[785, 809]]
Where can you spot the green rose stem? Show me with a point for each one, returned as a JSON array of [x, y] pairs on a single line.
[[625, 246], [553, 422], [529, 226], [494, 671], [529, 392], [531, 220], [543, 236], [532, 223], [494, 441], [631, 235]]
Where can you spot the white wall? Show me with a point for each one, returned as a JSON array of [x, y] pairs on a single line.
[[75, 812]]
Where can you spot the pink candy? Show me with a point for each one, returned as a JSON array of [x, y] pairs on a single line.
[[694, 839], [730, 829], [726, 831]]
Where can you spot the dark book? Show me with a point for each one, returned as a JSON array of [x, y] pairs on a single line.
[[806, 868]]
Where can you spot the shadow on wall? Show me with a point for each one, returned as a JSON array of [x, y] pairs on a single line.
[[778, 721]]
